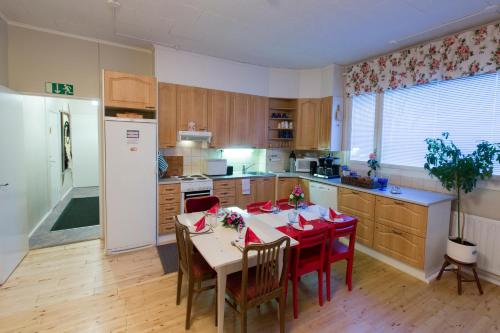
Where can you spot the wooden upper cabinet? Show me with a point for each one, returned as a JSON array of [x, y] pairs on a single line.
[[325, 123], [307, 122], [219, 112], [239, 133], [129, 91], [167, 115], [259, 121], [192, 105]]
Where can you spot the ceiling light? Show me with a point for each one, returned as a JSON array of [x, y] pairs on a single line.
[[114, 3]]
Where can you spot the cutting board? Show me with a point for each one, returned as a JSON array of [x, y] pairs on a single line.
[[175, 165]]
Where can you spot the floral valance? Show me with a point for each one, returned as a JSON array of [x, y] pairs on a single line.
[[464, 54]]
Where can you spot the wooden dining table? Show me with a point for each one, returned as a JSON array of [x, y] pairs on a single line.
[[217, 249], [217, 246]]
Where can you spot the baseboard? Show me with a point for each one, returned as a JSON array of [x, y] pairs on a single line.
[[166, 239]]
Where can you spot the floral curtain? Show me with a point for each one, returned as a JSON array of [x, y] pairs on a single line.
[[464, 54]]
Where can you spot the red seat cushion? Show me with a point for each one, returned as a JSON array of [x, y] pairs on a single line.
[[233, 284], [200, 267]]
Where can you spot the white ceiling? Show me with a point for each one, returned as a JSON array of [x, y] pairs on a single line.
[[275, 33]]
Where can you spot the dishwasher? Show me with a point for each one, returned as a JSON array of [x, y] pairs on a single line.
[[323, 195]]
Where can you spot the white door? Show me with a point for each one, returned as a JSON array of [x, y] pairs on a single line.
[[13, 218], [54, 153], [130, 184]]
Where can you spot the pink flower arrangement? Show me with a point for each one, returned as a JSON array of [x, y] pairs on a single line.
[[297, 195], [232, 220]]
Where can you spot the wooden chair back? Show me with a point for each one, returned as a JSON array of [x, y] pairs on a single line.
[[193, 205], [184, 246], [269, 281]]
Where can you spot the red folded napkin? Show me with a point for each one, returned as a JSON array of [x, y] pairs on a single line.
[[268, 205], [333, 214], [214, 209], [251, 237], [302, 221], [200, 225]]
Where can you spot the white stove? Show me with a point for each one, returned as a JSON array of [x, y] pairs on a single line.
[[195, 183]]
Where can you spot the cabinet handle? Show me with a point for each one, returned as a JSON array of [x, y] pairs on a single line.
[[399, 233], [150, 107], [399, 203], [353, 192]]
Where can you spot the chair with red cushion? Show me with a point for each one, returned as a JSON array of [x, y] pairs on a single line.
[[261, 283], [200, 204], [309, 256], [194, 267], [338, 251], [255, 207]]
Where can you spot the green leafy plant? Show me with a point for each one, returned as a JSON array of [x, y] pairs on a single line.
[[372, 164], [457, 171]]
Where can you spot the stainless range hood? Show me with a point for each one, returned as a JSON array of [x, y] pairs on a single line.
[[194, 136]]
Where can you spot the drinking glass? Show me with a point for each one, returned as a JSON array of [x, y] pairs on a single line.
[[241, 228], [322, 212], [275, 209], [292, 217]]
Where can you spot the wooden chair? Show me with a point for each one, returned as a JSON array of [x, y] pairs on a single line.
[[309, 256], [338, 251], [194, 267], [200, 204], [262, 283]]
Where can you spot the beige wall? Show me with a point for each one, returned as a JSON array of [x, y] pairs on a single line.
[[3, 53], [36, 57]]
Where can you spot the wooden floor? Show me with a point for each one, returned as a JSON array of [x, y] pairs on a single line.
[[76, 288]]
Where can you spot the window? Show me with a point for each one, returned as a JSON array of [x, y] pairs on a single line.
[[362, 126], [467, 108]]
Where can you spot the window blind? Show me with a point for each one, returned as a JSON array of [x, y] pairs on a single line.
[[467, 108], [362, 126]]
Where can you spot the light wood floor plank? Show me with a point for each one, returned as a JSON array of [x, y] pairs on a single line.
[[76, 288]]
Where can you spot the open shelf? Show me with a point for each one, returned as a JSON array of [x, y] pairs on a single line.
[[281, 139], [281, 107], [280, 129]]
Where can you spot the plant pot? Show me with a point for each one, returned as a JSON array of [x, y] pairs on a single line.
[[466, 252]]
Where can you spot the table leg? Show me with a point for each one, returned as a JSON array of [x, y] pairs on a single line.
[[221, 302]]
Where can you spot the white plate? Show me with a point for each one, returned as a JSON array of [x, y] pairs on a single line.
[[306, 227]]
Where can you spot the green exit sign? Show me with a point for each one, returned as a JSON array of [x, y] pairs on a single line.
[[59, 88]]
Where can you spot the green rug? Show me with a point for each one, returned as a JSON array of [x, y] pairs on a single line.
[[80, 212]]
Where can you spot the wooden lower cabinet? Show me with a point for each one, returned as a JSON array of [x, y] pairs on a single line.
[[285, 187], [225, 190], [169, 205], [242, 200], [364, 229], [304, 184], [400, 245], [265, 188], [360, 203], [402, 215]]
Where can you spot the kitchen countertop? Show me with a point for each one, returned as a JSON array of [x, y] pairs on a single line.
[[412, 195], [169, 180], [241, 175]]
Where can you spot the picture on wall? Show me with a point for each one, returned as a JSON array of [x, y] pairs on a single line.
[[66, 141]]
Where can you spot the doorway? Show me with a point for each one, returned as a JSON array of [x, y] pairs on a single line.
[[63, 135]]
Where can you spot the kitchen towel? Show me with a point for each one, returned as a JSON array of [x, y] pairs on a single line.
[[245, 186]]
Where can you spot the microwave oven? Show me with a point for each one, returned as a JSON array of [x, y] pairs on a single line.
[[215, 167], [304, 164]]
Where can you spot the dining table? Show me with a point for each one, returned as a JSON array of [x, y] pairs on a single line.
[[217, 245]]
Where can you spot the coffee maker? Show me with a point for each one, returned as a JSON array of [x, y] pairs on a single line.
[[328, 167]]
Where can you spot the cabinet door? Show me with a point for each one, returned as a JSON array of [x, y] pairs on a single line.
[[242, 200], [360, 203], [167, 115], [399, 245], [259, 121], [285, 187], [402, 215], [239, 134], [307, 133], [304, 184], [265, 189], [364, 229], [123, 90], [325, 123], [219, 111], [192, 106]]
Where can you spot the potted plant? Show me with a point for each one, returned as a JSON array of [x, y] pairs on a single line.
[[296, 196], [372, 164], [459, 172]]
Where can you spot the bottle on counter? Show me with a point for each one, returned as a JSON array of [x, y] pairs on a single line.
[[291, 160]]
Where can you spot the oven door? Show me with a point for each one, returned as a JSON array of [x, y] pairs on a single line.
[[194, 194]]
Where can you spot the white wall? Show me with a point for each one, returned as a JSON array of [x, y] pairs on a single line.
[[84, 139], [36, 162], [208, 72], [3, 53]]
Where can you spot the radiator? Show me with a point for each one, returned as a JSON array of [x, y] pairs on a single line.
[[486, 233]]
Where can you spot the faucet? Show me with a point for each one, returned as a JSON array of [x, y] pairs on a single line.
[[244, 168]]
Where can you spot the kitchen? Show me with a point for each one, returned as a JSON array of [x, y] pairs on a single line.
[[250, 128]]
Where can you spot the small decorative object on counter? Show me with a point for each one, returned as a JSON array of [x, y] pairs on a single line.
[[191, 126], [233, 220], [373, 164], [395, 190], [345, 171], [297, 196], [383, 182], [364, 182], [291, 161]]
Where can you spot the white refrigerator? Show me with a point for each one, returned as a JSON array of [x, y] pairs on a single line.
[[130, 183]]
